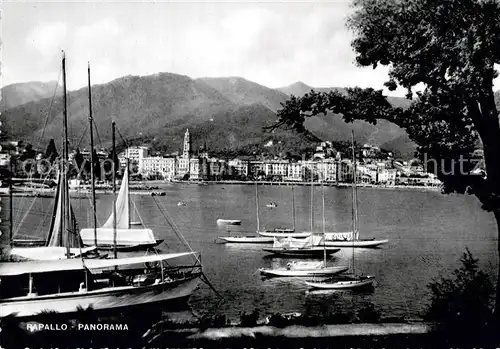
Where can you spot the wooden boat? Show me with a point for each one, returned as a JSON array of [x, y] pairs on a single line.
[[127, 238], [228, 221], [304, 269], [352, 281], [356, 243], [350, 238], [343, 283], [29, 288], [246, 239], [250, 239], [158, 193], [312, 252], [283, 233]]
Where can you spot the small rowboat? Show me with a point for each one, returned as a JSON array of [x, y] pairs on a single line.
[[344, 283], [229, 221]]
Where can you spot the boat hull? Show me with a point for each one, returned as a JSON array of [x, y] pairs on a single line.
[[100, 300], [311, 272], [128, 248], [341, 285], [229, 221], [283, 234], [302, 252], [355, 243], [247, 239]]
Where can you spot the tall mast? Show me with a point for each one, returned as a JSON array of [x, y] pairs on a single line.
[[354, 199], [64, 193], [114, 192], [257, 206], [312, 200], [11, 223], [324, 232], [128, 193], [92, 174], [293, 207]]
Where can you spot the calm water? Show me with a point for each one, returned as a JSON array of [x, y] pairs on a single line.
[[428, 232]]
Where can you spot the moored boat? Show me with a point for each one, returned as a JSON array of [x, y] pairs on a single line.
[[304, 269], [29, 288], [311, 252], [127, 238], [283, 233], [228, 221], [343, 283], [249, 239]]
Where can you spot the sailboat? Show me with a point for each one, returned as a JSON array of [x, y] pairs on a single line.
[[127, 238], [353, 280], [307, 268], [62, 241], [253, 239], [349, 238], [116, 232], [285, 232], [64, 286]]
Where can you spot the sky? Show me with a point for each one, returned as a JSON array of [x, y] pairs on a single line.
[[272, 43]]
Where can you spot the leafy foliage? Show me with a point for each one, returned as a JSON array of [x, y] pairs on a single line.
[[463, 304]]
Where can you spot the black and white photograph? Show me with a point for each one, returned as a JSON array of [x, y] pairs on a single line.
[[250, 174]]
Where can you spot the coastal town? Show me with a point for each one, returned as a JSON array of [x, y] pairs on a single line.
[[327, 165]]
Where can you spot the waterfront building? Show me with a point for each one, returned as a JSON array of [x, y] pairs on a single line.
[[198, 168], [256, 168], [217, 168], [276, 168], [327, 170], [386, 176], [295, 172], [239, 168], [158, 166]]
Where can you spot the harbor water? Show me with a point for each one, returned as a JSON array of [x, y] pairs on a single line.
[[427, 232]]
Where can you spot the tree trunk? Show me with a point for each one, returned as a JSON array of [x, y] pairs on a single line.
[[497, 298]]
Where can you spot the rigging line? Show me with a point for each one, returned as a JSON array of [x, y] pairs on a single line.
[[83, 135], [138, 213], [50, 109], [175, 229], [123, 139], [24, 217], [204, 278], [97, 133]]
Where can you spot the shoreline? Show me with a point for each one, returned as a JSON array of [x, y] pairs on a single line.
[[148, 191]]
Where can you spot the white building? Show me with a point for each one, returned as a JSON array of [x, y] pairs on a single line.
[[276, 168], [238, 167], [295, 172], [327, 170]]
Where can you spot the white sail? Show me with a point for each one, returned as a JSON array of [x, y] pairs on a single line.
[[124, 237], [54, 238], [122, 206]]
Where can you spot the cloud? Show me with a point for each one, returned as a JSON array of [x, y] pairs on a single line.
[[47, 38], [272, 44]]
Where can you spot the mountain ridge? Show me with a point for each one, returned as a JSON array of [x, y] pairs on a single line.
[[228, 113]]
